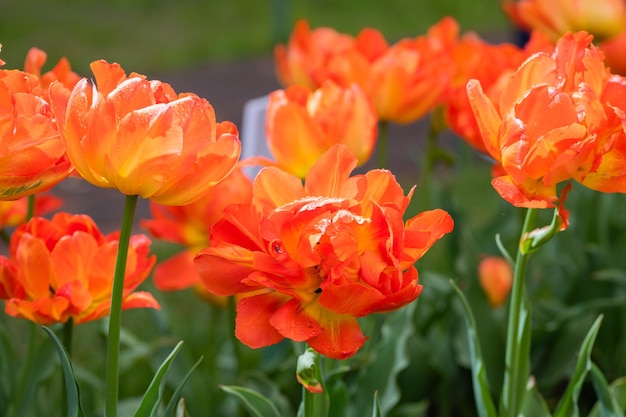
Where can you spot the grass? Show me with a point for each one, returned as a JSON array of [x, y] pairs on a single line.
[[160, 35]]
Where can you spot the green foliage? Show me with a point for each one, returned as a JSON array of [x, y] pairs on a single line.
[[71, 387], [484, 403], [257, 404]]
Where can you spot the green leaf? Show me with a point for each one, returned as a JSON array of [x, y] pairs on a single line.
[[484, 403], [521, 361], [71, 388], [607, 404], [390, 358], [172, 405], [376, 406], [505, 253], [150, 401], [568, 406], [181, 411], [257, 404], [534, 404]]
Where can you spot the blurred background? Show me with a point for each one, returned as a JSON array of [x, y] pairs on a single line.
[[160, 35]]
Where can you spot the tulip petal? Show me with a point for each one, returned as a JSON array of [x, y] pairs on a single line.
[[252, 326]]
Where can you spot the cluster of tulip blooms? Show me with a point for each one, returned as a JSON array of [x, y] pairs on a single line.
[[306, 247]]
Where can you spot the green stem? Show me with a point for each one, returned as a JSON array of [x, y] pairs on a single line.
[[68, 331], [315, 404], [517, 346], [4, 235], [232, 317], [383, 144], [30, 207], [428, 162], [115, 319]]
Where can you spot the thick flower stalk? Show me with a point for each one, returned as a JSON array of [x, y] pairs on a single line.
[[190, 226], [308, 259], [301, 124], [560, 116], [140, 137], [62, 269]]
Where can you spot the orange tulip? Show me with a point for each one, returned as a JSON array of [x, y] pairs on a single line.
[[62, 71], [411, 77], [305, 59], [190, 226], [63, 268], [476, 59], [602, 18], [604, 170], [13, 213], [140, 137], [301, 125], [552, 124], [496, 278], [404, 81], [309, 259], [32, 156]]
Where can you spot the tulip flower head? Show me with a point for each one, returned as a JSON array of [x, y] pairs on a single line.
[[63, 268], [32, 155], [301, 124], [308, 259], [142, 138], [560, 116], [307, 53]]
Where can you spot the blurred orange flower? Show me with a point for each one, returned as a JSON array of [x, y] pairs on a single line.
[[309, 259], [412, 76], [301, 125], [13, 213], [496, 278], [308, 58], [63, 268], [488, 63], [190, 227], [602, 18], [62, 71], [32, 156], [404, 81], [554, 122], [140, 137]]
